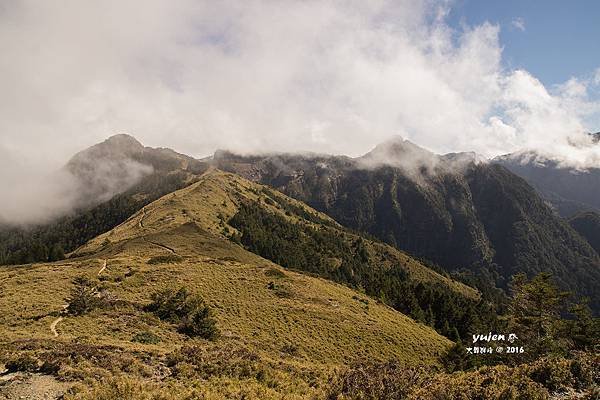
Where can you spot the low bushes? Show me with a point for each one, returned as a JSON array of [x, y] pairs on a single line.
[[87, 295], [189, 311], [146, 337], [206, 363], [535, 381], [23, 363], [166, 259], [84, 297]]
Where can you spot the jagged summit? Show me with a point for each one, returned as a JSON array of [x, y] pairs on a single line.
[[120, 162], [404, 154]]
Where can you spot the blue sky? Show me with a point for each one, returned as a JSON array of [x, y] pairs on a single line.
[[556, 40]]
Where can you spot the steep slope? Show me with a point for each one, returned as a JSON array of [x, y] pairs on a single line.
[[216, 198], [527, 236], [458, 214], [422, 210], [291, 234], [114, 179], [282, 332], [587, 224]]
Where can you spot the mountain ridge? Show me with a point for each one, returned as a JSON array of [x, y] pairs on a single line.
[[444, 215], [432, 213], [283, 333]]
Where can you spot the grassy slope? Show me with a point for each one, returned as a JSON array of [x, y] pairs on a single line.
[[329, 324], [213, 200]]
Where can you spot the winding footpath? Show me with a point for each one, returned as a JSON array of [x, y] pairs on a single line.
[[103, 268], [53, 326], [64, 310], [57, 320]]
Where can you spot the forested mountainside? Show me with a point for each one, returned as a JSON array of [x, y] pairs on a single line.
[[452, 210], [225, 288], [588, 226], [109, 194]]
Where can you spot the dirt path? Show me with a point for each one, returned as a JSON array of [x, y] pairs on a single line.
[[64, 310], [141, 221], [57, 320], [103, 268], [172, 250], [53, 325]]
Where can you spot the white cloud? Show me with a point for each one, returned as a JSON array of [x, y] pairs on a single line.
[[259, 75], [518, 23]]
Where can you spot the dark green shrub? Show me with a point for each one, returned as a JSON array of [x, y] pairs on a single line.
[[199, 323], [188, 310], [83, 297], [146, 337], [170, 304], [166, 259]]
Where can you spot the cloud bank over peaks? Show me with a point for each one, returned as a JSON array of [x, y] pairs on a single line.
[[258, 75]]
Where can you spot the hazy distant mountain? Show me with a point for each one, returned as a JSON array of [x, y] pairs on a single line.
[[120, 162], [113, 180], [459, 215], [568, 190]]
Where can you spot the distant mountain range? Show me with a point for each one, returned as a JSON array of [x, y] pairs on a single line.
[[568, 190], [453, 210], [471, 218]]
